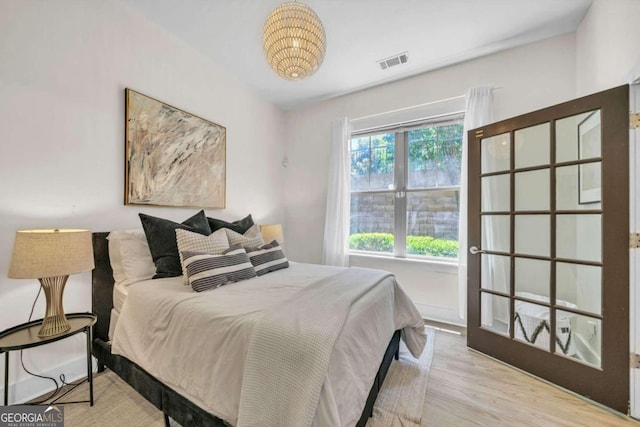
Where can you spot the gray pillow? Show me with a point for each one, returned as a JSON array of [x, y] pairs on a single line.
[[161, 236], [240, 226]]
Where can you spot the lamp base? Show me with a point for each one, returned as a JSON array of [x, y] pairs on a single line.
[[55, 322]]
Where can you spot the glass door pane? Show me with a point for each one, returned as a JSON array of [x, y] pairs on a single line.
[[532, 190], [496, 193], [578, 137], [496, 233], [580, 285], [495, 153], [496, 273], [579, 237], [532, 277], [495, 313], [532, 146], [578, 187], [531, 323], [579, 337], [532, 235]]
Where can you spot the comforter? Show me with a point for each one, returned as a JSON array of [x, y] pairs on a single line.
[[199, 343]]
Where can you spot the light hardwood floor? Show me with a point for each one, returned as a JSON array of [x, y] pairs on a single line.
[[464, 388], [469, 389]]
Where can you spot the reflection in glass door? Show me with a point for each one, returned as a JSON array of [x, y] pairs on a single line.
[[548, 288]]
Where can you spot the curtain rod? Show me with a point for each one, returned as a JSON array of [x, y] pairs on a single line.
[[440, 118], [407, 108], [413, 106]]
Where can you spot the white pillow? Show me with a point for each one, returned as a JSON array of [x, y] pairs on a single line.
[[130, 256], [251, 238], [188, 241]]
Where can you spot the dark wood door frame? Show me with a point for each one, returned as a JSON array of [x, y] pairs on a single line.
[[610, 384]]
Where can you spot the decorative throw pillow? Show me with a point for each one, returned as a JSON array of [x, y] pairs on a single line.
[[161, 236], [251, 238], [130, 257], [214, 244], [268, 258], [206, 271], [240, 226]]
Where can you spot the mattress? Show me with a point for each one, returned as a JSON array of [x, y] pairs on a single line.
[[212, 329]]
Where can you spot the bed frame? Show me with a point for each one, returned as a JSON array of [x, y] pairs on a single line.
[[171, 403]]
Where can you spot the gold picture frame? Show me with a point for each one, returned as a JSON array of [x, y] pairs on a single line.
[[172, 158]]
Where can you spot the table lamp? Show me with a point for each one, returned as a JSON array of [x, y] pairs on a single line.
[[272, 232], [51, 256]]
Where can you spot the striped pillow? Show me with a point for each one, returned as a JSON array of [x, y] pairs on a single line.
[[214, 244], [206, 271], [268, 258]]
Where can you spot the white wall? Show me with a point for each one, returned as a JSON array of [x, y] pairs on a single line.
[[64, 68], [607, 45], [528, 78], [607, 50]]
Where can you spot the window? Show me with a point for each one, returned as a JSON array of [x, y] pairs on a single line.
[[405, 190]]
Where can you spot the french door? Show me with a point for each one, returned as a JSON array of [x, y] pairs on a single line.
[[548, 288]]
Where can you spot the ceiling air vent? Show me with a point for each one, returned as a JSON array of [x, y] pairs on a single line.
[[394, 60]]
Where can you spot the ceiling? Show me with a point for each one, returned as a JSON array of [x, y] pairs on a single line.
[[435, 33]]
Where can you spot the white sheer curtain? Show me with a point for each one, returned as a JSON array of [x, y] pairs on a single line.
[[478, 112], [336, 223]]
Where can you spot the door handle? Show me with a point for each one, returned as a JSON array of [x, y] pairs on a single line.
[[474, 250]]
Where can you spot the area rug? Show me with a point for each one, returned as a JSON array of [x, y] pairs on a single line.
[[399, 404]]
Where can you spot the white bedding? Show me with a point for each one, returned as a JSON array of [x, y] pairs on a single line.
[[197, 342], [120, 292]]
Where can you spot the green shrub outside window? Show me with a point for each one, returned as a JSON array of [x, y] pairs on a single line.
[[416, 245]]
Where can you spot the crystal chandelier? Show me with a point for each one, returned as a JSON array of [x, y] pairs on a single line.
[[294, 41]]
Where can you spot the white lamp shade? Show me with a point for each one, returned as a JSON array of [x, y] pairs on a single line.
[[49, 253], [272, 232]]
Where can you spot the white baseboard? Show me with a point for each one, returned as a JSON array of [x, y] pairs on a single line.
[[441, 314], [33, 387]]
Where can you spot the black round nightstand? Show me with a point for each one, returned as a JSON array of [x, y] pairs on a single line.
[[26, 336]]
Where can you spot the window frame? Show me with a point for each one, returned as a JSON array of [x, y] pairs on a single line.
[[401, 180]]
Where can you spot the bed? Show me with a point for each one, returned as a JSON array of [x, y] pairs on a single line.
[[194, 401]]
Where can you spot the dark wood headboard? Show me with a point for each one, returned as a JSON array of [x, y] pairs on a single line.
[[101, 286]]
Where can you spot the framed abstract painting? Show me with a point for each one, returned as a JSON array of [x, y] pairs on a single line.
[[172, 158]]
